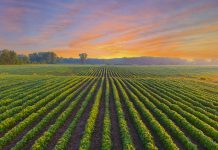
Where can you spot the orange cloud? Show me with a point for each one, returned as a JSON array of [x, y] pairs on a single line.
[[116, 29]]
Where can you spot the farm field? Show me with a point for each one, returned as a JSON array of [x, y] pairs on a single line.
[[59, 107]]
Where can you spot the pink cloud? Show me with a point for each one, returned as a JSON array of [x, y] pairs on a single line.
[[12, 19], [54, 27]]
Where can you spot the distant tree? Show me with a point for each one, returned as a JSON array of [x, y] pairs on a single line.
[[23, 59], [8, 57], [43, 57], [83, 57], [34, 58], [52, 57]]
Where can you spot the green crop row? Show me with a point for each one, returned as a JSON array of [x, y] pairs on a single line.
[[161, 117], [42, 142], [51, 115], [184, 98], [89, 128], [11, 134], [208, 130], [10, 91], [189, 89], [106, 135], [203, 115], [9, 122], [127, 142], [165, 139], [197, 134], [14, 109], [8, 100], [65, 138]]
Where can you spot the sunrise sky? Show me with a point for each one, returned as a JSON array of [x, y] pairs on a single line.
[[111, 28]]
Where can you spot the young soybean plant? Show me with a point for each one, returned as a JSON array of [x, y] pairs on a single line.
[[106, 135], [86, 138], [65, 138], [124, 131]]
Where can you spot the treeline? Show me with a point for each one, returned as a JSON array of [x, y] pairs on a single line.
[[9, 57], [43, 57]]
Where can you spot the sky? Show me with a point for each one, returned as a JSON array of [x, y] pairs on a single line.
[[111, 28]]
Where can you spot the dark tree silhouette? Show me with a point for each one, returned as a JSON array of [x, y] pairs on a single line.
[[83, 57], [23, 59], [43, 57], [8, 57]]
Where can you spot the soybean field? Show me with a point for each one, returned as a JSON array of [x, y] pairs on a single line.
[[64, 107]]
